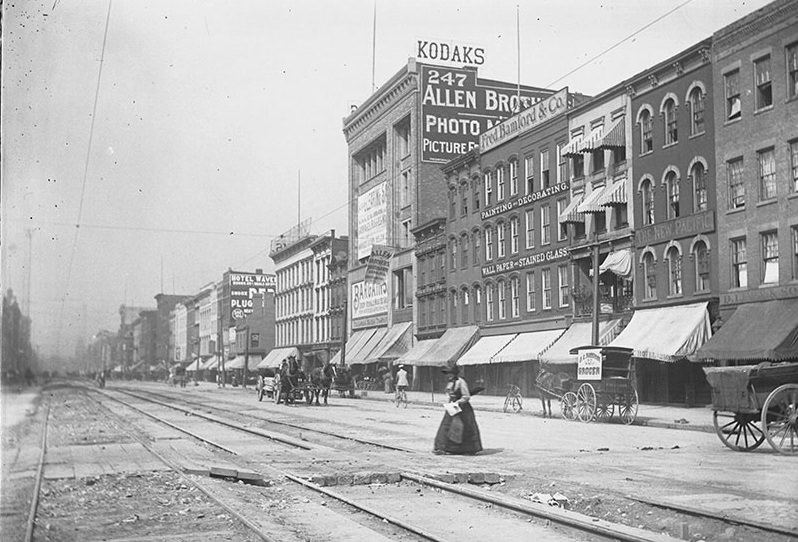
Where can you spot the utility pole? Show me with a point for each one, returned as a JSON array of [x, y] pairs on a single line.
[[246, 360]]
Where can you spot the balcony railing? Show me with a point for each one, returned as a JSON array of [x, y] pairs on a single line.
[[608, 304]]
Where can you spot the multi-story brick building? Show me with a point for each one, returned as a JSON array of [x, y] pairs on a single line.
[[328, 320]]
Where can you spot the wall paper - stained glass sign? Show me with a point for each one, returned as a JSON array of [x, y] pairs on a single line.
[[243, 289], [457, 106]]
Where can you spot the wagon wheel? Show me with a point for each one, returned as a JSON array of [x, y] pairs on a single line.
[[604, 409], [627, 408], [738, 430], [780, 419], [586, 403], [568, 406]]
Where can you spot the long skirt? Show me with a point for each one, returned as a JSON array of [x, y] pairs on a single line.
[[471, 441]]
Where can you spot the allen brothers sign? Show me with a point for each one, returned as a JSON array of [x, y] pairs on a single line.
[[524, 200], [539, 113], [524, 262], [677, 228]]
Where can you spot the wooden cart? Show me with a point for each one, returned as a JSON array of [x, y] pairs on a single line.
[[754, 403], [605, 380]]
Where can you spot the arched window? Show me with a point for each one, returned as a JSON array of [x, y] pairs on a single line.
[[649, 271], [500, 191], [669, 112], [646, 131], [464, 199], [464, 250], [674, 271], [514, 177], [488, 189], [452, 203], [488, 243], [672, 186], [500, 241], [514, 235], [701, 257], [453, 254], [502, 287], [489, 302], [647, 195], [477, 303], [476, 241], [515, 305], [453, 307], [698, 176], [465, 302], [697, 96], [476, 188]]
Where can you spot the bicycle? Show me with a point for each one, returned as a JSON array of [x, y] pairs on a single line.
[[513, 401], [400, 398]]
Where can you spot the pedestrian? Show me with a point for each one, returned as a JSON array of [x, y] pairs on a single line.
[[218, 380], [458, 432], [387, 380]]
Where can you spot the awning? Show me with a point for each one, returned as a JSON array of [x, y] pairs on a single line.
[[666, 333], [275, 358], [614, 137], [527, 346], [417, 353], [614, 195], [449, 347], [578, 334], [395, 343], [353, 345], [235, 363], [590, 143], [571, 147], [590, 204], [570, 214], [211, 363], [364, 353], [485, 349], [619, 262], [194, 366], [766, 331]]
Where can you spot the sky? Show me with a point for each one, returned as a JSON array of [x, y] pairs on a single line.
[[151, 146]]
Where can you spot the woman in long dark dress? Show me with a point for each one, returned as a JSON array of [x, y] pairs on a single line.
[[450, 439]]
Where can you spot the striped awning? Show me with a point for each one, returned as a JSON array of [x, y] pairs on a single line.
[[591, 142], [591, 203], [571, 147], [614, 137], [570, 213], [614, 195]]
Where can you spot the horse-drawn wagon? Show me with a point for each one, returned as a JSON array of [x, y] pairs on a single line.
[[600, 379], [754, 403]]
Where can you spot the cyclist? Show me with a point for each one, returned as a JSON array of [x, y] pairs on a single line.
[[401, 383]]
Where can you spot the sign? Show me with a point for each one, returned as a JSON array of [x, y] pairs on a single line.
[[544, 110], [449, 52], [243, 289], [677, 228], [588, 364], [523, 262], [295, 234], [369, 299], [523, 201], [456, 108], [372, 228], [759, 294], [254, 340], [379, 263]]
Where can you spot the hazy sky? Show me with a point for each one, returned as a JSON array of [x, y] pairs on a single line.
[[211, 114]]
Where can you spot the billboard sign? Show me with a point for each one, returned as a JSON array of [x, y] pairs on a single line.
[[372, 228], [546, 109], [369, 299], [456, 107], [243, 289]]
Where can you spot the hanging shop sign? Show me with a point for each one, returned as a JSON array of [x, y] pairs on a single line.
[[546, 109], [379, 263], [524, 262], [456, 107], [523, 201], [372, 227]]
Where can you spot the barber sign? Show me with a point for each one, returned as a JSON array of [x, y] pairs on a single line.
[[588, 364]]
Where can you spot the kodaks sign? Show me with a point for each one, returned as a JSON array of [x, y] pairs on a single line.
[[524, 200], [456, 53], [544, 110], [524, 262]]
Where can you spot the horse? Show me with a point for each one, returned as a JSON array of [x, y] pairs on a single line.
[[321, 380], [289, 380], [548, 384]]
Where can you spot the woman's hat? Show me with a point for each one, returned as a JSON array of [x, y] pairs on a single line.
[[454, 369]]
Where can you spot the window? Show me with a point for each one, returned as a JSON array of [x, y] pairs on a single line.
[[671, 131], [488, 243], [698, 175], [489, 302], [404, 195], [371, 161], [464, 305], [674, 271], [649, 269], [544, 170], [545, 275], [600, 221], [477, 303], [403, 288], [407, 233], [477, 240], [672, 184], [736, 184], [432, 305], [502, 300], [452, 204], [739, 264], [513, 177], [500, 248], [764, 86], [792, 71], [646, 132], [442, 264], [562, 231], [598, 160], [530, 228], [561, 164], [514, 295], [453, 254], [795, 252], [530, 291], [697, 97], [794, 165], [422, 314], [403, 138], [545, 225], [647, 194], [463, 200], [500, 184], [477, 189], [488, 189], [701, 257], [529, 169], [767, 174], [577, 166], [562, 276], [514, 235], [464, 250], [732, 85], [453, 307], [770, 257]]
